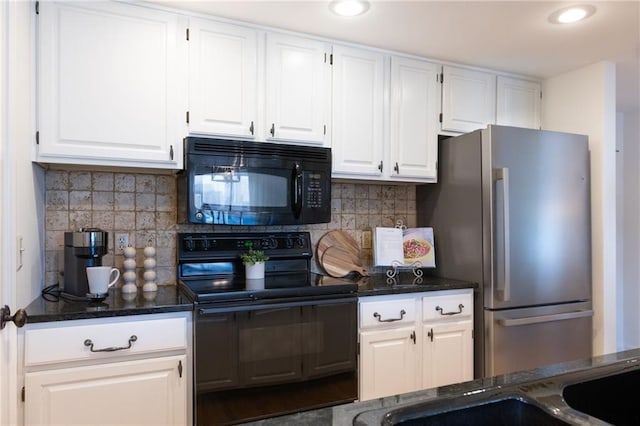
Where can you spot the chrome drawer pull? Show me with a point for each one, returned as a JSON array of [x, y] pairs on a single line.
[[89, 343], [377, 315], [460, 306]]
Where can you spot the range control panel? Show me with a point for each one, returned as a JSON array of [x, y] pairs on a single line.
[[219, 246]]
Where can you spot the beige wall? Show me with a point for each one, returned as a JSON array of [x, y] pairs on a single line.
[[583, 101], [145, 207]]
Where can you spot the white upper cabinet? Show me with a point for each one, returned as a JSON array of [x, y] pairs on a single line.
[[222, 79], [111, 85], [518, 103], [358, 112], [468, 99], [297, 89], [415, 95]]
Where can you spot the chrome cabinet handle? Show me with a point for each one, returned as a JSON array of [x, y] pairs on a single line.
[[413, 336], [460, 306], [273, 130], [430, 334], [89, 343], [396, 168], [379, 317], [380, 166], [251, 128]]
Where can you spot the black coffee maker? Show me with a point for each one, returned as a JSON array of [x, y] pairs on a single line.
[[82, 248]]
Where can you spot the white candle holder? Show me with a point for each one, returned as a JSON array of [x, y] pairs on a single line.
[[129, 266], [149, 270]]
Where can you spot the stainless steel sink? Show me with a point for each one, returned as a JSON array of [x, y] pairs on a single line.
[[511, 411], [613, 398]]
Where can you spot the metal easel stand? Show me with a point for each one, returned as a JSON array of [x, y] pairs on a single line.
[[396, 265]]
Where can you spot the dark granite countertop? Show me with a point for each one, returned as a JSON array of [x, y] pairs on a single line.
[[407, 282], [542, 384], [166, 299]]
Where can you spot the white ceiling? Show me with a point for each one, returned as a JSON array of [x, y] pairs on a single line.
[[510, 36]]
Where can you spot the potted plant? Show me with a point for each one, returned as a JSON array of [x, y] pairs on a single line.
[[254, 263]]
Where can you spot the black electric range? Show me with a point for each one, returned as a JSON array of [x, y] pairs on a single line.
[[268, 347]]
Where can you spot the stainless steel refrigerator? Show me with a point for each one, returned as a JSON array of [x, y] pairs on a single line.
[[511, 211]]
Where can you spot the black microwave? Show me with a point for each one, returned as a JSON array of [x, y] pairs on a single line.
[[233, 182]]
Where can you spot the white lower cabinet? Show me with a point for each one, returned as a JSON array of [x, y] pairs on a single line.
[[414, 341], [142, 392], [133, 370], [389, 361], [447, 353]]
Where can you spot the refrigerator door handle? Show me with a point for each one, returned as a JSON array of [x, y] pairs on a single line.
[[504, 285], [545, 318]]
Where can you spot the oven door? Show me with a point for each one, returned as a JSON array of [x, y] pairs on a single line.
[[262, 360]]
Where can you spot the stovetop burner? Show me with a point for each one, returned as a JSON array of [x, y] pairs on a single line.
[[210, 270]]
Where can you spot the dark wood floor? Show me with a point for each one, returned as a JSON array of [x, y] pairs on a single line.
[[236, 406]]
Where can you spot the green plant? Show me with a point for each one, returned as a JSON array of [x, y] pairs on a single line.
[[253, 256]]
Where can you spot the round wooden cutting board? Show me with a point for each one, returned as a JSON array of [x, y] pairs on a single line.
[[339, 262], [339, 239]]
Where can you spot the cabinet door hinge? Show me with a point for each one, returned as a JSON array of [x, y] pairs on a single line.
[[22, 393], [440, 117], [325, 129], [187, 31], [37, 13], [441, 77], [187, 117], [38, 137], [331, 59], [180, 368]]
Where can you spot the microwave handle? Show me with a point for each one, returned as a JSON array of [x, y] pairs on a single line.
[[297, 190]]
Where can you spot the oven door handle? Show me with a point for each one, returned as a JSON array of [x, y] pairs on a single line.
[[290, 304]]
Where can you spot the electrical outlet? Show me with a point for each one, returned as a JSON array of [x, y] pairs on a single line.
[[366, 239], [122, 241]]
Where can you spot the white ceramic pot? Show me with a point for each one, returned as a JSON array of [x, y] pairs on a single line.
[[255, 271]]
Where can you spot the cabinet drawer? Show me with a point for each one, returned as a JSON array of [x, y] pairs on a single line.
[[70, 341], [447, 305], [387, 312]]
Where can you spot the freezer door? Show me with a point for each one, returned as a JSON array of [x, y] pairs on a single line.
[[536, 216], [521, 339]]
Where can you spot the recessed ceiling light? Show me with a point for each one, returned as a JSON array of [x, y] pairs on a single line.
[[572, 14], [349, 7]]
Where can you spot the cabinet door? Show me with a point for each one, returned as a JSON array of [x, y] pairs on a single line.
[[415, 95], [143, 392], [358, 111], [468, 99], [297, 89], [222, 79], [111, 89], [447, 353], [388, 362], [518, 103], [329, 338]]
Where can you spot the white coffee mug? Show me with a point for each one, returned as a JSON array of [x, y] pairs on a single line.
[[101, 278]]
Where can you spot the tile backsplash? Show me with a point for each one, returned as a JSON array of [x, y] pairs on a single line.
[[145, 207]]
